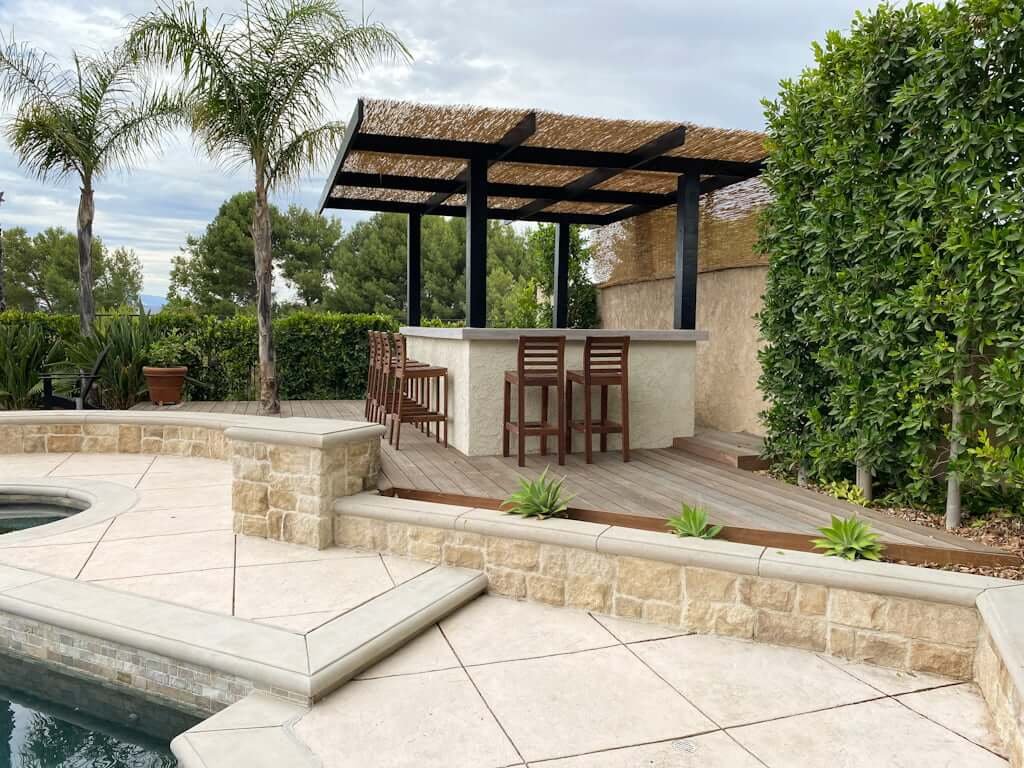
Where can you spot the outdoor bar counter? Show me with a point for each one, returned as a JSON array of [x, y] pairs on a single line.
[[661, 383]]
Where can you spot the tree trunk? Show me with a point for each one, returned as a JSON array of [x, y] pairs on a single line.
[[3, 290], [865, 480], [955, 422], [270, 404], [86, 306]]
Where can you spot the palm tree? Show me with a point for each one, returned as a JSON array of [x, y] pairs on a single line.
[[81, 123], [260, 80]]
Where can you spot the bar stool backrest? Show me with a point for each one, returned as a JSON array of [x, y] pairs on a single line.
[[401, 355], [541, 357], [606, 356]]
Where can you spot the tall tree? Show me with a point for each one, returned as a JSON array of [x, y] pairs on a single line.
[[81, 123], [307, 245], [41, 272], [260, 81]]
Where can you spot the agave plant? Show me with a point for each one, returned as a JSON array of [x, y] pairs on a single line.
[[540, 498], [693, 522], [851, 539], [24, 351], [127, 340]]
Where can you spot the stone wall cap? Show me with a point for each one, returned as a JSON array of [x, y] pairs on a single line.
[[666, 547], [892, 579], [106, 501], [393, 509], [571, 334], [553, 530], [1002, 611], [306, 433]]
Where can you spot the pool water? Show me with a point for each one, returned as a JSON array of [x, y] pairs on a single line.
[[55, 721], [20, 512]]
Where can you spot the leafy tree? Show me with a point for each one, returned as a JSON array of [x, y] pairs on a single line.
[[216, 270], [41, 272], [893, 310], [258, 81], [306, 246], [582, 293], [80, 124]]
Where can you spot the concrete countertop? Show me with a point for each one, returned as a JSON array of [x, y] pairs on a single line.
[[571, 334]]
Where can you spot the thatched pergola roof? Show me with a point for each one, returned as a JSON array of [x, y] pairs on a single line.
[[541, 166]]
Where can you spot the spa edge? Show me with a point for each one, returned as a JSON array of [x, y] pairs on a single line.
[[662, 369]]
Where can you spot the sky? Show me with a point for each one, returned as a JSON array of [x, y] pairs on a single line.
[[704, 61]]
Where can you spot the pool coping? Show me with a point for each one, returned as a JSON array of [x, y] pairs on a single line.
[[106, 501], [307, 666]]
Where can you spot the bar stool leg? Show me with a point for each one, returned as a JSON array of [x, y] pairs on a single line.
[[567, 437], [445, 408], [521, 423], [505, 418], [544, 420], [624, 394], [604, 417], [588, 426], [398, 418], [561, 422]]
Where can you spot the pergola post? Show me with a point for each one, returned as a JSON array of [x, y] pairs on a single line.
[[687, 214], [560, 317], [476, 243], [413, 270]]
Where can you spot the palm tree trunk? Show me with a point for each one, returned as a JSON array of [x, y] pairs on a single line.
[[270, 404], [86, 306], [3, 288]]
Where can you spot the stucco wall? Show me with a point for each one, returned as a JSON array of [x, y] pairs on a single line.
[[727, 396]]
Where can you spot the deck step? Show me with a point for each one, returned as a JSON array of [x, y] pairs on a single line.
[[734, 449]]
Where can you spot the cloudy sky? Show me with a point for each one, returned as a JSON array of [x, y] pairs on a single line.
[[697, 60]]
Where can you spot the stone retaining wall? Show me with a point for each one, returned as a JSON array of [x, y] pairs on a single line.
[[170, 440], [901, 633], [1003, 698]]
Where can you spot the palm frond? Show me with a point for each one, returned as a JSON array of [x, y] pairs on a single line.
[[29, 75], [304, 151]]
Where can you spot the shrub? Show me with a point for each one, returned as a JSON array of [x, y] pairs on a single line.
[[693, 522], [851, 539], [897, 254], [24, 351], [846, 491], [127, 340], [540, 498]]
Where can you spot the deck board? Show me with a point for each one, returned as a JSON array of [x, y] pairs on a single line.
[[655, 483]]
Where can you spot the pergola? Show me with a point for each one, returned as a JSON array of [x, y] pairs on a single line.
[[516, 165]]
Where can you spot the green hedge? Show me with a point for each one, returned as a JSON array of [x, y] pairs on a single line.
[[320, 355], [893, 309]]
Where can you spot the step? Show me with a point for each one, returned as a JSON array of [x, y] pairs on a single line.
[[734, 449]]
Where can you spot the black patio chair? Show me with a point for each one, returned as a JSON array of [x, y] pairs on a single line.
[[85, 381]]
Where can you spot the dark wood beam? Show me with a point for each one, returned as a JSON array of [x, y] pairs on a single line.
[[582, 158], [519, 133], [710, 184], [563, 241], [413, 269], [642, 155], [505, 214], [476, 244], [355, 122], [500, 189], [687, 216]]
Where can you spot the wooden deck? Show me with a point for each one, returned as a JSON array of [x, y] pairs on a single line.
[[654, 483]]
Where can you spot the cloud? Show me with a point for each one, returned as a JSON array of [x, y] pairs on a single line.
[[666, 59]]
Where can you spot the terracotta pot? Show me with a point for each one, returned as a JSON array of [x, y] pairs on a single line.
[[165, 384]]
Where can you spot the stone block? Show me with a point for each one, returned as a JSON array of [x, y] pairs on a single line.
[[857, 609], [353, 532], [657, 612], [502, 581], [935, 622], [580, 562], [307, 530], [129, 438], [883, 650], [152, 445], [938, 659], [545, 589], [811, 600], [11, 439], [513, 553], [727, 619], [248, 498], [99, 443], [772, 594], [61, 443], [244, 468], [791, 629], [281, 499], [648, 579], [553, 561], [627, 607], [462, 556], [704, 584], [290, 459], [33, 443], [842, 641], [588, 593], [251, 525]]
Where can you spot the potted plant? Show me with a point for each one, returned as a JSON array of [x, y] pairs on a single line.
[[165, 375]]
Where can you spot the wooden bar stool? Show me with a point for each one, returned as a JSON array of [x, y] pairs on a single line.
[[540, 363], [605, 364], [407, 404]]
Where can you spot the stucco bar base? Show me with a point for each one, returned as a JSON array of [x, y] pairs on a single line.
[[661, 383]]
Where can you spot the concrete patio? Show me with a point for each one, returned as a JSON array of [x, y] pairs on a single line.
[[500, 682]]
